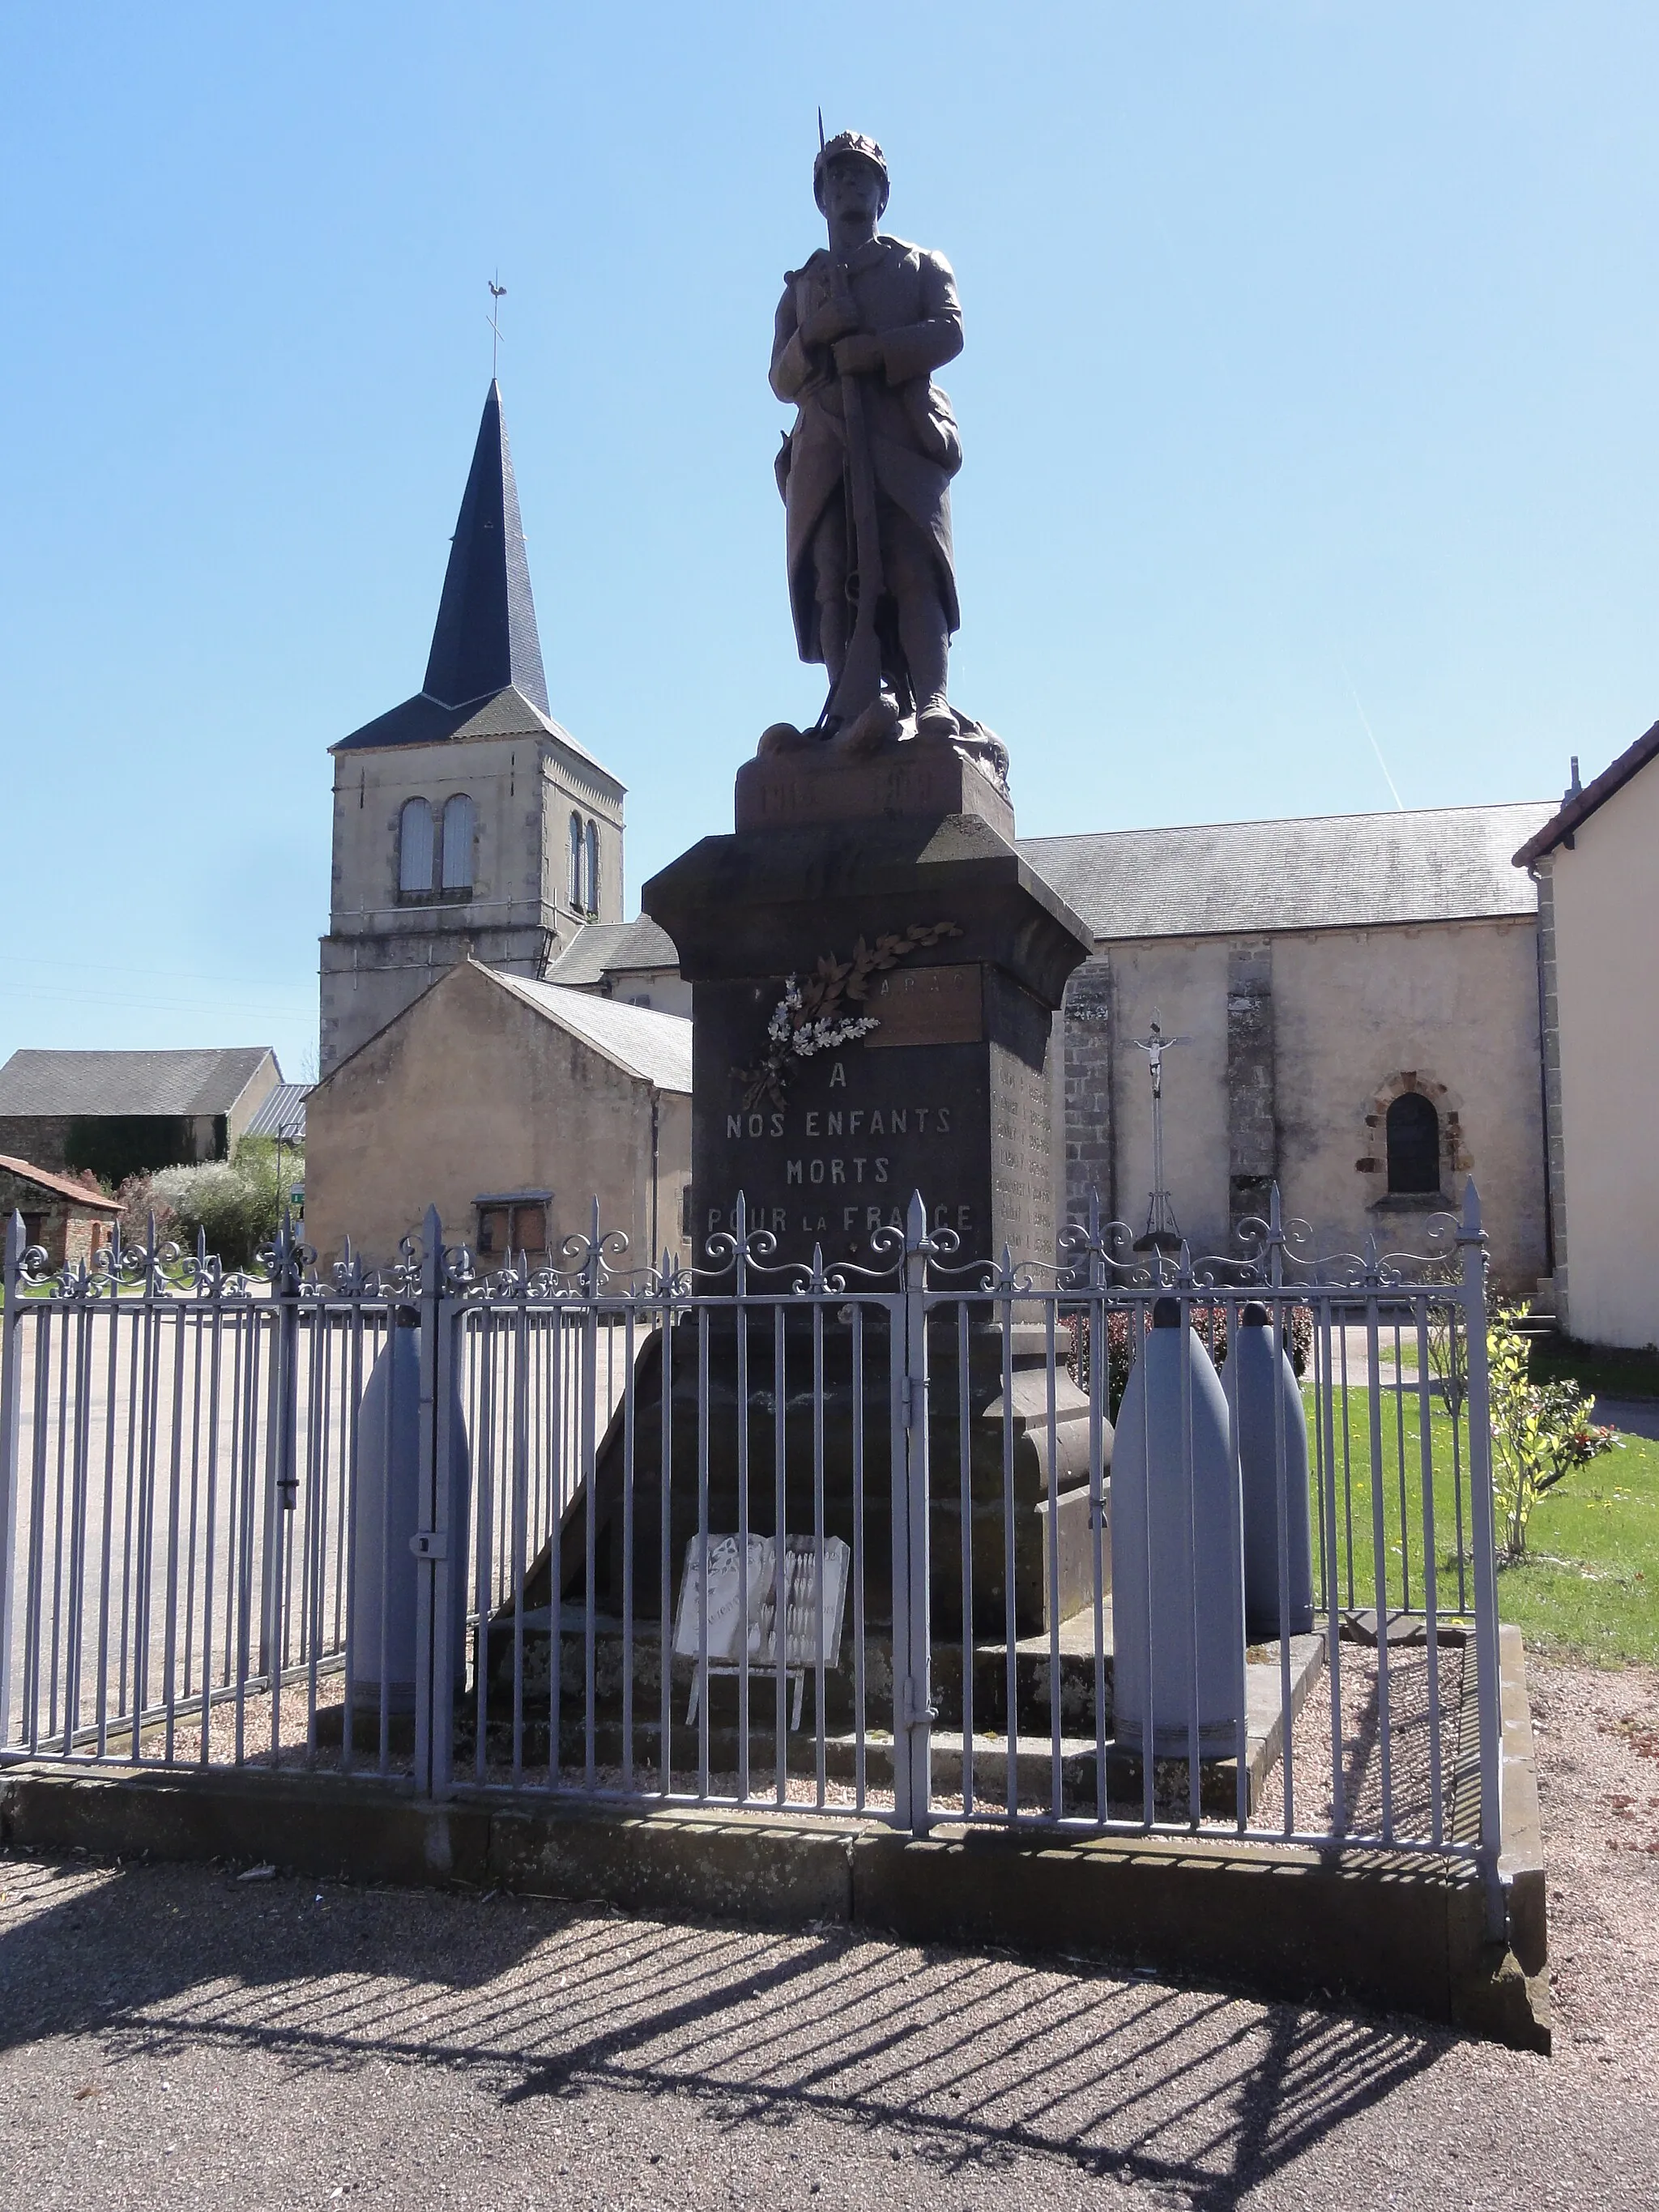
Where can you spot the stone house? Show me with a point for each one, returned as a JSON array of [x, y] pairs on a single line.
[[466, 819], [510, 1105], [1591, 862], [67, 1219], [119, 1112]]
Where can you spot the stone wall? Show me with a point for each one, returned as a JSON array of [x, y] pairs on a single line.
[[472, 1092], [382, 950], [1606, 999], [67, 1232], [1295, 1044]]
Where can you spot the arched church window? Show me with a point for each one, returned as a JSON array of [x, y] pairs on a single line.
[[592, 883], [1413, 1138], [414, 846], [576, 852], [460, 821]]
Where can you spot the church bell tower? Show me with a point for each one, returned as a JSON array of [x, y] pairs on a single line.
[[465, 817]]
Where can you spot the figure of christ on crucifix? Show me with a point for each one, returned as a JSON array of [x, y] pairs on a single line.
[[866, 472]]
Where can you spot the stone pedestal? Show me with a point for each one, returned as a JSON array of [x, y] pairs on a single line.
[[949, 1093]]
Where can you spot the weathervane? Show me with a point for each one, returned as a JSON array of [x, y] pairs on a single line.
[[497, 292], [1163, 1230]]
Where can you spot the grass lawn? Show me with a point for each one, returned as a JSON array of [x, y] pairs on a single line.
[[1603, 1370], [1589, 1586]]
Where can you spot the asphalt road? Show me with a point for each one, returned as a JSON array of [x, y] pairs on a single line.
[[174, 2036]]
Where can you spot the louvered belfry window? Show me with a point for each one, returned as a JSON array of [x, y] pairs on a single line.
[[414, 846], [460, 821]]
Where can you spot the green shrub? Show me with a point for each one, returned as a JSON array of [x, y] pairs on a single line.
[[1540, 1433], [235, 1204]]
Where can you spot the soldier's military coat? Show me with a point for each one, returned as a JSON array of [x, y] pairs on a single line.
[[908, 297]]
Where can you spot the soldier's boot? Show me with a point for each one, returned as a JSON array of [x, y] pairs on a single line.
[[926, 639]]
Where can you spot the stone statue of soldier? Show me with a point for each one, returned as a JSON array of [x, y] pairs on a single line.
[[880, 316]]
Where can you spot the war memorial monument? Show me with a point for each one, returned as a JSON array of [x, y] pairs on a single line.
[[875, 969]]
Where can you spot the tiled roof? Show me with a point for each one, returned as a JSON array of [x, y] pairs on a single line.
[[206, 1082], [655, 1048], [1324, 872], [604, 948], [1583, 803], [65, 1186]]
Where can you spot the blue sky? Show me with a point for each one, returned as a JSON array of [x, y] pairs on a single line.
[[1308, 384]]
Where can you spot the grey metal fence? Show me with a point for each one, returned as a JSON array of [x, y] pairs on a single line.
[[1070, 1544]]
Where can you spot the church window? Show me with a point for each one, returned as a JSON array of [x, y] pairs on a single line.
[[415, 847], [591, 885], [577, 850], [1413, 1141], [460, 819]]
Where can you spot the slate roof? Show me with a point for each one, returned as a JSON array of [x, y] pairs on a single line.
[[1579, 805], [483, 675], [283, 1113], [1323, 872], [61, 1185], [207, 1081], [604, 948], [655, 1048]]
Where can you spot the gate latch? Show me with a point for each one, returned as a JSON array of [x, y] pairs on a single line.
[[917, 1715], [429, 1544]]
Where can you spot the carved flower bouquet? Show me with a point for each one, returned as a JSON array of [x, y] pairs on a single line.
[[814, 1016]]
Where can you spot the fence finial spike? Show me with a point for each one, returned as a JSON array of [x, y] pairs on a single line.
[[1275, 1212], [916, 1222], [1471, 1208], [740, 1219]]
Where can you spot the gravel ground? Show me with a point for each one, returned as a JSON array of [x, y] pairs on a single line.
[[171, 2035]]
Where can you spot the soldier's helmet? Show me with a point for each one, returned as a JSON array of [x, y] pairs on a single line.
[[845, 143]]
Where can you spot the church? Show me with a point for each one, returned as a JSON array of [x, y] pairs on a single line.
[[1353, 1003]]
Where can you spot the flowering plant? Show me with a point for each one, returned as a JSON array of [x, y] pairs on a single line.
[[810, 1019]]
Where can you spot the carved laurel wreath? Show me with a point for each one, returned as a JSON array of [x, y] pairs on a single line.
[[810, 1019]]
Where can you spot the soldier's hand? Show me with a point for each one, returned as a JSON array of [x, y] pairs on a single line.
[[860, 356], [833, 320]]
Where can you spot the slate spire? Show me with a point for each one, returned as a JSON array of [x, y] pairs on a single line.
[[485, 638]]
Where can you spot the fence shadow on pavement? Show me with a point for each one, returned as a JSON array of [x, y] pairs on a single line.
[[958, 2061]]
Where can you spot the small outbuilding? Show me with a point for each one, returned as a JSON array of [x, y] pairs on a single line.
[[511, 1105], [1596, 862], [69, 1221]]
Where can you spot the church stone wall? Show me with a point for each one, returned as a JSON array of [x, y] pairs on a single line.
[[1607, 998], [471, 1093], [1447, 1008], [1181, 983], [1296, 1042], [383, 951]]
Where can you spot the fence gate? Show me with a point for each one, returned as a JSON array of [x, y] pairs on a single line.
[[1116, 1543]]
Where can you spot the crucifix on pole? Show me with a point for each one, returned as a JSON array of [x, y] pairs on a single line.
[[497, 292], [1163, 1233]]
